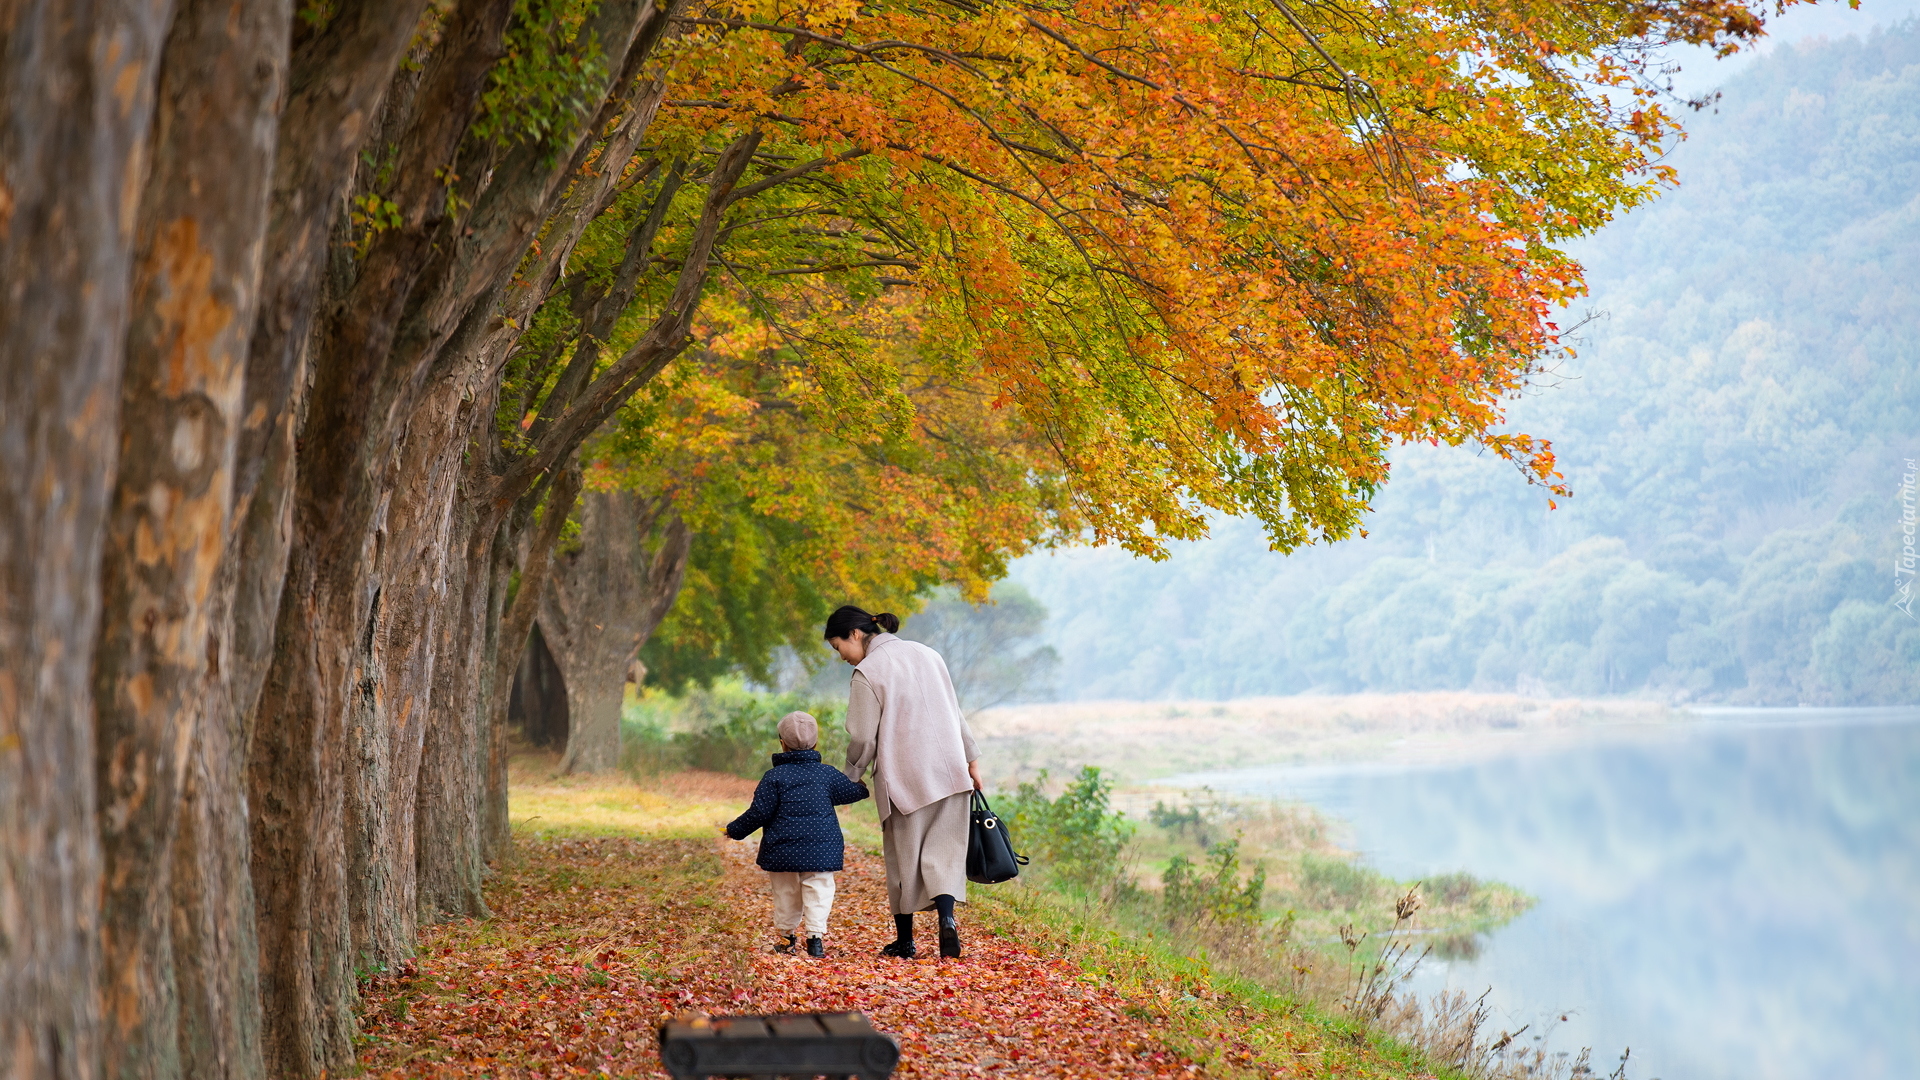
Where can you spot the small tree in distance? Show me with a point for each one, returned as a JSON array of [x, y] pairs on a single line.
[[992, 649]]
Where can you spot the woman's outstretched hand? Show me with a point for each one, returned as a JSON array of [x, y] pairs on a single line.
[[973, 770]]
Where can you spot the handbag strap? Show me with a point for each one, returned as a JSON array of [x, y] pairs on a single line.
[[980, 804]]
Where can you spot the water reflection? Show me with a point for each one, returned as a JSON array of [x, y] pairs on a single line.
[[1739, 897]]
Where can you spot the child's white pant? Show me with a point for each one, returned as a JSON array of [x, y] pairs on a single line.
[[802, 899]]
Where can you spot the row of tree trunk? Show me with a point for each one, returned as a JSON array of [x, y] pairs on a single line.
[[266, 568]]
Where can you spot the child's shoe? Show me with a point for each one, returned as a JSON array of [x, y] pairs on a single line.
[[903, 950], [949, 936], [787, 947], [816, 948]]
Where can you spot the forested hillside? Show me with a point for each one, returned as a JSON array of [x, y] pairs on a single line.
[[1734, 428]]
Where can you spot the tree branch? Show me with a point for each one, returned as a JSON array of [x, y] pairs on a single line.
[[662, 341]]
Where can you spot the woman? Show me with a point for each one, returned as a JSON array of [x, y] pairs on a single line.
[[904, 721]]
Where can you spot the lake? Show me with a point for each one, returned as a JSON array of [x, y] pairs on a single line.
[[1735, 897]]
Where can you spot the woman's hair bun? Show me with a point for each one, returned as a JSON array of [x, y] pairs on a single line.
[[845, 620]]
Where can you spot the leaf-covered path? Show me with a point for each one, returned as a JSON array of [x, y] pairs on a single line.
[[1003, 1009], [622, 906], [595, 941]]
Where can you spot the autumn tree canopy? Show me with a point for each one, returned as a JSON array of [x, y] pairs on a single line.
[[313, 309], [1213, 259], [1200, 259]]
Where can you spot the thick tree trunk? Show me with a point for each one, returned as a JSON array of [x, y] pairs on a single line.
[[215, 920], [196, 272], [216, 953], [603, 603], [452, 782], [397, 306], [448, 324], [396, 680], [327, 610], [76, 97]]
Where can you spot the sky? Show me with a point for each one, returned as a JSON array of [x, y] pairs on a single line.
[[1700, 72]]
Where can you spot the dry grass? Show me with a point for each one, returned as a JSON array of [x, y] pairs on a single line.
[[690, 804], [1136, 741]]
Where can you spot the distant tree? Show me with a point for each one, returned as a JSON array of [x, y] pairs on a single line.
[[991, 648], [610, 588]]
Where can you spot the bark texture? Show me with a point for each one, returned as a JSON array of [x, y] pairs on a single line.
[[328, 606], [283, 746], [394, 686], [448, 803], [605, 600], [76, 101], [201, 227]]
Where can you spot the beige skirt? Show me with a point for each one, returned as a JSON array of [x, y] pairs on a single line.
[[927, 853]]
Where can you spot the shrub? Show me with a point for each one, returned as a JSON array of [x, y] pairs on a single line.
[[1455, 888], [1193, 896], [1175, 819], [1077, 838], [1335, 883], [727, 728]]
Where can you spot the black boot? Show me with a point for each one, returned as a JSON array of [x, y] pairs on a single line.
[[902, 945], [949, 926], [787, 947], [815, 947]]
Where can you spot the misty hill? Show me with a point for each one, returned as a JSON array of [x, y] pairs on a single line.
[[1734, 428]]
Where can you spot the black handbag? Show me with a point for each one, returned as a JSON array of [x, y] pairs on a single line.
[[990, 855]]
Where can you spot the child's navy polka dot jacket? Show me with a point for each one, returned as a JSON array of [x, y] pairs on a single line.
[[794, 804]]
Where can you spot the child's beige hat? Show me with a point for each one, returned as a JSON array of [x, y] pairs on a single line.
[[799, 731]]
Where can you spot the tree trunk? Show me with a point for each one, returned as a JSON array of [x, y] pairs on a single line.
[[76, 98], [452, 783], [216, 952], [396, 680], [515, 625], [396, 306], [328, 606], [539, 703], [604, 602], [196, 271], [449, 323]]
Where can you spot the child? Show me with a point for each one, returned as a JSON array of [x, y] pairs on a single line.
[[801, 849]]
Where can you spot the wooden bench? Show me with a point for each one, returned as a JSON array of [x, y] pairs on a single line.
[[789, 1044]]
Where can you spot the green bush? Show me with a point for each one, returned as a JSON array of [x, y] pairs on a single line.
[[1177, 820], [726, 728], [1075, 839], [1194, 895], [1454, 888], [1336, 883]]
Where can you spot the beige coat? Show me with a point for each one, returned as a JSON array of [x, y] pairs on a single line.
[[904, 721]]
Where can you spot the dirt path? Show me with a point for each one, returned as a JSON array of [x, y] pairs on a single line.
[[594, 941], [1003, 1009]]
